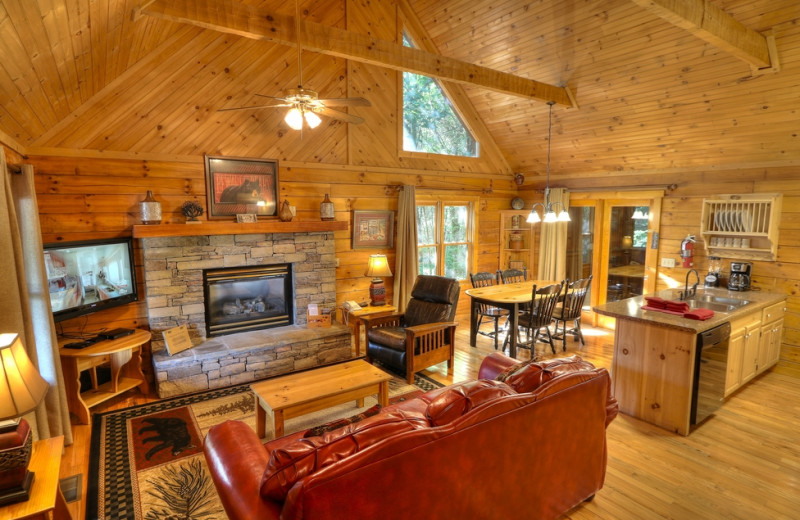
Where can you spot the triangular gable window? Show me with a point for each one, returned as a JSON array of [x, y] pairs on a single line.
[[430, 124]]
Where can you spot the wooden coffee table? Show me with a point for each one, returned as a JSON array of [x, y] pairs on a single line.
[[305, 392]]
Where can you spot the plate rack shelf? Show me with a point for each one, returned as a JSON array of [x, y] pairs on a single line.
[[742, 227]]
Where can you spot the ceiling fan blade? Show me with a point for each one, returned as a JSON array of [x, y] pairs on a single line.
[[345, 102], [254, 107], [335, 114], [271, 97]]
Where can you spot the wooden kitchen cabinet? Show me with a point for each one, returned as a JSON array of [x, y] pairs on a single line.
[[743, 351], [516, 241], [769, 348]]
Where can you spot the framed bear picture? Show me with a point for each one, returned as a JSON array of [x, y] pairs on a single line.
[[238, 185]]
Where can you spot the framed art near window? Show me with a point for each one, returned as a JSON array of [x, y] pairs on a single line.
[[373, 229], [238, 185]]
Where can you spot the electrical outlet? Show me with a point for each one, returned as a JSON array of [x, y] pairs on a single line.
[[667, 262]]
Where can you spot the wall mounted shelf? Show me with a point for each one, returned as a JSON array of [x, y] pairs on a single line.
[[742, 227]]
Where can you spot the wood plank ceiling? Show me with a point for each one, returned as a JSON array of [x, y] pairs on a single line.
[[88, 76]]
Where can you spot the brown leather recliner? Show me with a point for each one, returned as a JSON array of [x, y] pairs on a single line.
[[530, 443], [424, 335]]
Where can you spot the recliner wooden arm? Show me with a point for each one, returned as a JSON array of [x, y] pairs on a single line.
[[390, 320], [429, 344]]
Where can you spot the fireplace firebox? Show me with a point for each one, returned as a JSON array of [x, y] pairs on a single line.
[[248, 298]]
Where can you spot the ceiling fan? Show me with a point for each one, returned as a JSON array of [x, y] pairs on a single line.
[[304, 104]]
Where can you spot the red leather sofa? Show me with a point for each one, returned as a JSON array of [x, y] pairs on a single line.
[[530, 443]]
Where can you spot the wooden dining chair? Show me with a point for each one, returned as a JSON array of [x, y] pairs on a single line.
[[513, 275], [536, 320], [485, 279], [570, 310]]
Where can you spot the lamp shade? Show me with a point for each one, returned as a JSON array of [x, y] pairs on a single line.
[[21, 386], [378, 266]]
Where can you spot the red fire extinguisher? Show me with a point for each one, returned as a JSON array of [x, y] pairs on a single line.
[[687, 251]]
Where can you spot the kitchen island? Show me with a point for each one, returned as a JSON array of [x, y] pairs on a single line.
[[654, 352]]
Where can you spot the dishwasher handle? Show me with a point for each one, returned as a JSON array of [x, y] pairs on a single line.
[[715, 336]]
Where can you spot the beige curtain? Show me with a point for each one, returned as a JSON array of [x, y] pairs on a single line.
[[553, 241], [405, 264], [25, 300]]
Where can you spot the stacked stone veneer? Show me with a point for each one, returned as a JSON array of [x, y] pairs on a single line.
[[173, 268]]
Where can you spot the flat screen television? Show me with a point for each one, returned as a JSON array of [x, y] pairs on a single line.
[[89, 276]]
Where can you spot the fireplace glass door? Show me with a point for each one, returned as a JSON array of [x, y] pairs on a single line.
[[248, 298]]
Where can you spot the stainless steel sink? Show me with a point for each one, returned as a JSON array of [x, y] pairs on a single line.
[[715, 303]]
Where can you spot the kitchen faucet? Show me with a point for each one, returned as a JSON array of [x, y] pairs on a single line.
[[686, 294]]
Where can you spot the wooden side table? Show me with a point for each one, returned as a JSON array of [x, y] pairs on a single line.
[[125, 357], [46, 500], [353, 319]]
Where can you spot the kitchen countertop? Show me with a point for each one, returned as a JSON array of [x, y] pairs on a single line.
[[631, 308]]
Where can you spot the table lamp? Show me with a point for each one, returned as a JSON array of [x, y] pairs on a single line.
[[378, 266], [21, 390]]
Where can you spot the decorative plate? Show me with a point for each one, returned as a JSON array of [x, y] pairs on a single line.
[[517, 203]]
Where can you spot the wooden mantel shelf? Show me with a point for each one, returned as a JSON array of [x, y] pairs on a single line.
[[234, 228]]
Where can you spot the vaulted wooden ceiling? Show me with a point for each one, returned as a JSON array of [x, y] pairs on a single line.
[[654, 93]]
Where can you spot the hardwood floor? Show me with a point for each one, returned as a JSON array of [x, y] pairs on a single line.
[[742, 463]]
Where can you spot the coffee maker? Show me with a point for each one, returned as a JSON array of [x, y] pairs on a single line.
[[739, 279]]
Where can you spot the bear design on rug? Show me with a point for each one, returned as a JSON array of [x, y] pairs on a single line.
[[169, 432], [246, 192]]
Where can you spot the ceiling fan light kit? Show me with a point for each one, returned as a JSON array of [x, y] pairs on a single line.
[[547, 206]]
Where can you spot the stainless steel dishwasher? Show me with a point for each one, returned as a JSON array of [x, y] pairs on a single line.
[[710, 370]]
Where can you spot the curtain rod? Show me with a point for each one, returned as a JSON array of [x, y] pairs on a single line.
[[14, 168], [638, 187]]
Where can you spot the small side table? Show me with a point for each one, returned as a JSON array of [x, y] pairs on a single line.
[[352, 319], [46, 500]]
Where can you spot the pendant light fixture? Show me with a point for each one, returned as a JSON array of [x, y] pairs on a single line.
[[547, 206], [300, 110]]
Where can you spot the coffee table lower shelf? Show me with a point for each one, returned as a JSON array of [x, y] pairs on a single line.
[[306, 392]]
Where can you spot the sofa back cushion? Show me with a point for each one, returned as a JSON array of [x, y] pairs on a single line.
[[527, 377], [455, 400], [293, 462]]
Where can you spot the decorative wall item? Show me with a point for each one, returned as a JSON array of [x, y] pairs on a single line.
[[239, 185], [373, 229], [326, 209], [150, 209], [286, 214], [246, 218], [191, 209]]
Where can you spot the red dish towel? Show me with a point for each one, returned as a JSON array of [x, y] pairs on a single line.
[[677, 306], [656, 302], [699, 314]]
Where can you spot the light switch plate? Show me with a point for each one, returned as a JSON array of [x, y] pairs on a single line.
[[667, 262]]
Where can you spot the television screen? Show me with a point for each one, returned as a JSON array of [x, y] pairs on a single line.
[[85, 277]]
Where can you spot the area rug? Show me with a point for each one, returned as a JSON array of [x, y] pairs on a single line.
[[146, 462]]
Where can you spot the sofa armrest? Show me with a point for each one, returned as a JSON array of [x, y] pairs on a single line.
[[494, 364], [237, 460]]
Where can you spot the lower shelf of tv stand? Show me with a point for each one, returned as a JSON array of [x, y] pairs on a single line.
[[105, 392]]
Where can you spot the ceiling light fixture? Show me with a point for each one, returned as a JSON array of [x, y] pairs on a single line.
[[300, 108], [641, 215], [547, 206]]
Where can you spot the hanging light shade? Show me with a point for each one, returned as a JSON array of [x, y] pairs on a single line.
[[548, 207], [294, 118], [312, 119]]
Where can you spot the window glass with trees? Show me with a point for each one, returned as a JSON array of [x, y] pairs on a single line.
[[444, 238], [430, 124]]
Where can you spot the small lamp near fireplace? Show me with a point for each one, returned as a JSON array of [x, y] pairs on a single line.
[[377, 268], [21, 390]]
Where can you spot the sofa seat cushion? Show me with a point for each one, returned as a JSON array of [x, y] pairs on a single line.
[[392, 337], [294, 461], [449, 403], [528, 376]]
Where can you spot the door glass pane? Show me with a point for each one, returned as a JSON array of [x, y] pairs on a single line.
[[426, 256], [626, 258], [580, 246], [455, 224], [426, 224], [455, 261]]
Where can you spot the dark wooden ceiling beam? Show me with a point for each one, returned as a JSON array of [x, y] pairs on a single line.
[[713, 25], [229, 16]]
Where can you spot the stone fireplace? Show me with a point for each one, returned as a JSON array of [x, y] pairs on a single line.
[[176, 268]]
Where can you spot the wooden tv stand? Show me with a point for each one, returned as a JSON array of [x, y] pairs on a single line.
[[125, 357]]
